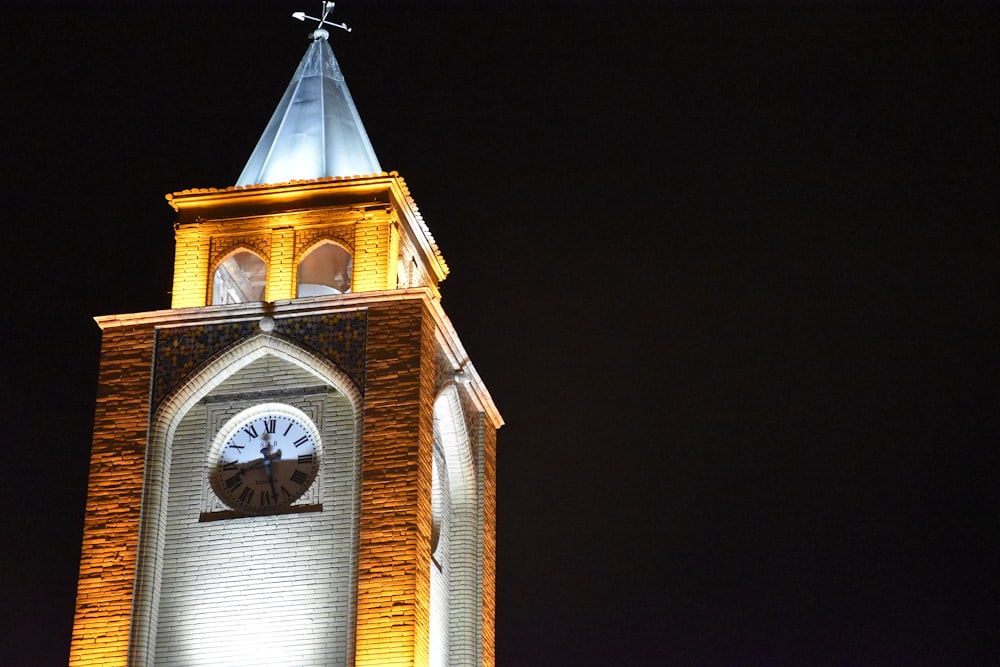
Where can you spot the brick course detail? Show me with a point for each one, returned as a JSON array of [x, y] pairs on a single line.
[[111, 526]]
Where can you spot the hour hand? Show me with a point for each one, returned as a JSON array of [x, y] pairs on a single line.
[[254, 466]]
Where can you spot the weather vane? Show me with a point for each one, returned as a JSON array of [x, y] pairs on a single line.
[[320, 32]]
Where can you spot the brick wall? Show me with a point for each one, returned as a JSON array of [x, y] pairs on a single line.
[[394, 546], [111, 526], [488, 490], [203, 597]]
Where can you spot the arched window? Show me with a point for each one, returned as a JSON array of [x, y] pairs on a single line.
[[326, 269], [440, 556], [455, 581], [239, 279]]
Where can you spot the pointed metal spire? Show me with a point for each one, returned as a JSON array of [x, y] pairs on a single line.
[[315, 131]]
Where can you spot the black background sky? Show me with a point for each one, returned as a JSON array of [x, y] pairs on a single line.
[[728, 269]]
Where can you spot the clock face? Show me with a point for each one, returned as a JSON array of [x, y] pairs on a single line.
[[269, 457]]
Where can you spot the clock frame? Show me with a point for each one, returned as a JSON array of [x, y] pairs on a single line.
[[264, 459]]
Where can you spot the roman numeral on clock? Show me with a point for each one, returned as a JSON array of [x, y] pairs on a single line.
[[299, 477], [233, 482], [246, 495], [270, 425], [301, 441], [250, 430], [305, 458]]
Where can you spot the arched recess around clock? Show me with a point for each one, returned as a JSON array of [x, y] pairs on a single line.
[[239, 278], [178, 441]]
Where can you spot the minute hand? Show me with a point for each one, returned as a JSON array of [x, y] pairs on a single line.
[[270, 476], [255, 466]]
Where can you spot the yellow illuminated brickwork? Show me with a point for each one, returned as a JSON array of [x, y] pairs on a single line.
[[488, 485], [281, 264], [394, 545], [114, 497], [374, 269], [367, 216], [192, 249]]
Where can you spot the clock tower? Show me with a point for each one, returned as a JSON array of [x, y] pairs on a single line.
[[295, 464]]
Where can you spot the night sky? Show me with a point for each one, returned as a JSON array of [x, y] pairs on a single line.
[[729, 270]]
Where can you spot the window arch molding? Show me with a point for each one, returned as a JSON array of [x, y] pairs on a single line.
[[324, 266], [455, 634], [238, 276], [307, 245]]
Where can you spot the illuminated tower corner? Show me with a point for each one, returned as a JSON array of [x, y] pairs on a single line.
[[295, 464]]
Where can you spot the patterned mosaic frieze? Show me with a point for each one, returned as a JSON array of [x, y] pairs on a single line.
[[340, 337], [181, 350]]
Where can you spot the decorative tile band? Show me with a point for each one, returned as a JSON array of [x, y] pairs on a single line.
[[340, 337]]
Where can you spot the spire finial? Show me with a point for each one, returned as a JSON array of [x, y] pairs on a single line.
[[319, 32]]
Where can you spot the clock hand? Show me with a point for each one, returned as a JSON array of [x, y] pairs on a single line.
[[263, 461], [269, 456], [253, 467], [270, 477]]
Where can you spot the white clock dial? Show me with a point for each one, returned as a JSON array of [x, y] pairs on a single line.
[[269, 457]]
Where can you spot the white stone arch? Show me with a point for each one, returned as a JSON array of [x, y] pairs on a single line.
[[171, 411], [456, 604]]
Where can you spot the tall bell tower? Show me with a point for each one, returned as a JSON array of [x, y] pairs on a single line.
[[295, 464]]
